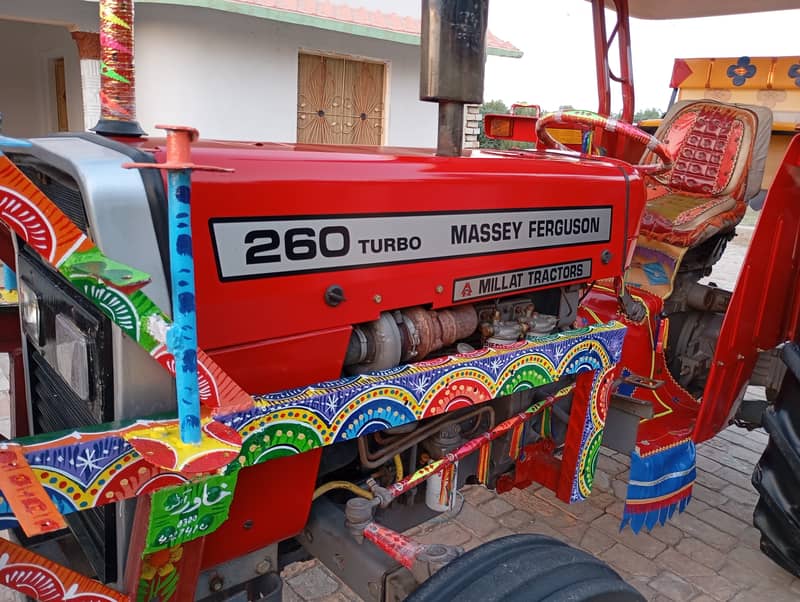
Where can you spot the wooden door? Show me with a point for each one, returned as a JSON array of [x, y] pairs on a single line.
[[60, 89], [340, 100]]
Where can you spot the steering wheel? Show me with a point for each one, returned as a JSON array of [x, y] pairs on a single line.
[[589, 120]]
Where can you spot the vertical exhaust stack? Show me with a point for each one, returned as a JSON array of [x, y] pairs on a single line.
[[117, 77], [453, 64]]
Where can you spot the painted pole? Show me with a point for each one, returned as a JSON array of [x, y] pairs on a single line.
[[117, 73], [182, 335]]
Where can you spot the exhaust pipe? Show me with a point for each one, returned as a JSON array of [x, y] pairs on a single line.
[[453, 64], [117, 76]]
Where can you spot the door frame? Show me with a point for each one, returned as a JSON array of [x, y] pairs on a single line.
[[387, 65]]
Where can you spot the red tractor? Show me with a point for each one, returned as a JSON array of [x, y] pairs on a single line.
[[377, 328]]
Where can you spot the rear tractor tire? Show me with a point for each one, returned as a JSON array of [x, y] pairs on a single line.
[[526, 568], [777, 474]]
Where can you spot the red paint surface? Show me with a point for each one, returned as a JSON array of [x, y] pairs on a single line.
[[536, 464], [305, 358], [271, 503], [283, 180], [267, 340], [403, 549], [674, 409], [763, 310]]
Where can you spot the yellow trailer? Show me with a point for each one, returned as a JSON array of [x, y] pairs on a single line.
[[772, 82]]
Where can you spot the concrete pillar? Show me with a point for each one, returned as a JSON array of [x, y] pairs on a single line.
[[472, 121], [89, 53]]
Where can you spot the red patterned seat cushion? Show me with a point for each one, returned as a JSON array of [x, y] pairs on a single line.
[[685, 219], [704, 191]]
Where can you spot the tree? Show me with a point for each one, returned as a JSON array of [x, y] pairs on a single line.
[[651, 113], [642, 114]]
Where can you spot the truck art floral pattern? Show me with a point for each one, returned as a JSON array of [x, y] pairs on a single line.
[[106, 463], [84, 469]]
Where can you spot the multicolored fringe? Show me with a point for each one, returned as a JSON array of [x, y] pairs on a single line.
[[545, 431], [483, 462], [517, 441], [660, 483], [448, 484]]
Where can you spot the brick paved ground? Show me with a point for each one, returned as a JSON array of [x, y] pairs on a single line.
[[708, 553]]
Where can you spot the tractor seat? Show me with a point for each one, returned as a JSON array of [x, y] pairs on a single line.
[[719, 153]]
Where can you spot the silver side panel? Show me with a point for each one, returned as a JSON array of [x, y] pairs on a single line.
[[120, 223]]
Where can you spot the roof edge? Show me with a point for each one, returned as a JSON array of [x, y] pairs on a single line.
[[296, 18]]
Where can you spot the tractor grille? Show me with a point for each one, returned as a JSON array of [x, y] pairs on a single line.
[[59, 187], [56, 407]]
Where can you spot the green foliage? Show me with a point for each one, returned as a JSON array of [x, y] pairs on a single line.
[[651, 113], [642, 114]]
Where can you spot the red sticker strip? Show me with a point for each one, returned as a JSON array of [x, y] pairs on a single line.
[[23, 491]]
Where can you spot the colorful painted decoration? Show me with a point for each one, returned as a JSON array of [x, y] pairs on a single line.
[[97, 466], [41, 579], [118, 102], [794, 73], [160, 575], [181, 514], [32, 506], [741, 71], [403, 549], [298, 419], [110, 285], [652, 500], [162, 445], [182, 336]]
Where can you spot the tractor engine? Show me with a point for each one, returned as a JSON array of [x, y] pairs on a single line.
[[318, 262], [314, 263]]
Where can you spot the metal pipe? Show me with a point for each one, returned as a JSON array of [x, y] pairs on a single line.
[[117, 74], [369, 460], [601, 57], [182, 336], [625, 59], [450, 141], [453, 63], [470, 447]]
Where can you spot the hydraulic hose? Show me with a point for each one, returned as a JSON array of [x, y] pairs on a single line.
[[323, 489]]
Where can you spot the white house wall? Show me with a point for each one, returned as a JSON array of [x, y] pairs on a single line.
[[27, 95], [235, 77]]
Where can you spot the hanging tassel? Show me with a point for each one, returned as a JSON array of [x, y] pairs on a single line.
[[446, 489], [545, 431], [483, 462], [517, 437], [660, 485]]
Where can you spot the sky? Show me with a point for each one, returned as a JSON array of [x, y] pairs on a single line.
[[558, 65]]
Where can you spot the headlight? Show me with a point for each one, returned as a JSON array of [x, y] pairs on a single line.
[[72, 356], [29, 311]]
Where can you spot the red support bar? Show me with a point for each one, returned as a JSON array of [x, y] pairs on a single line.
[[602, 44], [601, 57], [625, 60]]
